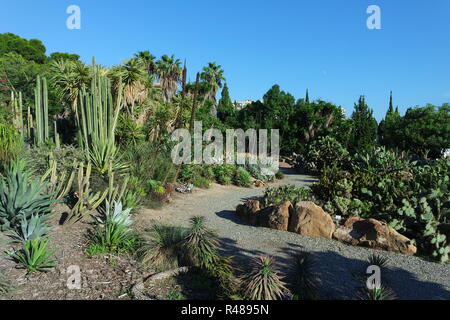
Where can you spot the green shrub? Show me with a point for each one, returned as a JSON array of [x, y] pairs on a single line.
[[10, 143], [224, 173], [279, 175], [21, 197], [411, 197], [276, 195], [201, 182], [128, 132], [323, 152], [242, 178]]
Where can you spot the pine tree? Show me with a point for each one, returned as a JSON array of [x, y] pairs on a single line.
[[307, 96]]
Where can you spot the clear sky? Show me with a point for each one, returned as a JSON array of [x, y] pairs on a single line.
[[323, 45]]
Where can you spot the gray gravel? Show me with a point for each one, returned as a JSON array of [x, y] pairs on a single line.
[[409, 277]]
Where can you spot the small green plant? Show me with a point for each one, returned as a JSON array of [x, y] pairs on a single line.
[[279, 175], [160, 249], [224, 173], [263, 281], [34, 255], [174, 295], [201, 182], [242, 178]]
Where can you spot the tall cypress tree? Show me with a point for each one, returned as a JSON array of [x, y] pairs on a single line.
[[225, 108], [365, 126], [307, 96]]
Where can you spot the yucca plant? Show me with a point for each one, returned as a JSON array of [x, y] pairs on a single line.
[[34, 255], [21, 197], [31, 229], [161, 248], [200, 245], [305, 284], [263, 281]]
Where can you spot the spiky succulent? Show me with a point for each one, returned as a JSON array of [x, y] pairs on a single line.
[[21, 197], [31, 229], [263, 281]]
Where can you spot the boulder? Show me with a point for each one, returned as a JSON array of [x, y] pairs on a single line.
[[373, 234], [259, 183], [308, 219], [248, 211], [279, 218]]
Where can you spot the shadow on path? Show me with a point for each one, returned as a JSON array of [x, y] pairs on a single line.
[[336, 273]]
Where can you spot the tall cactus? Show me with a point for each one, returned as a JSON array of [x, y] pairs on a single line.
[[97, 115], [41, 130], [16, 102]]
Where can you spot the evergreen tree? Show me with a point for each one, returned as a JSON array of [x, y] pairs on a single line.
[[364, 131], [307, 96], [226, 111]]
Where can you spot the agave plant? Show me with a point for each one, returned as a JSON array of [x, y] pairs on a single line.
[[263, 281], [34, 255], [20, 197], [113, 233], [31, 229], [161, 249]]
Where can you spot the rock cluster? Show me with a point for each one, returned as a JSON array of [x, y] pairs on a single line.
[[308, 219]]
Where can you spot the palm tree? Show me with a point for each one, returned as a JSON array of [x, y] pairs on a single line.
[[132, 75], [169, 73], [70, 77], [149, 61], [213, 75]]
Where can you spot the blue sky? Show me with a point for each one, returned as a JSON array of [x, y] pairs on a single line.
[[323, 45]]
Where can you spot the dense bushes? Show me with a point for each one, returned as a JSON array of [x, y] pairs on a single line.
[[383, 185], [322, 153], [10, 143]]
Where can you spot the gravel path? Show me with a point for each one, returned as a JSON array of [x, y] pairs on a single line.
[[409, 277]]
